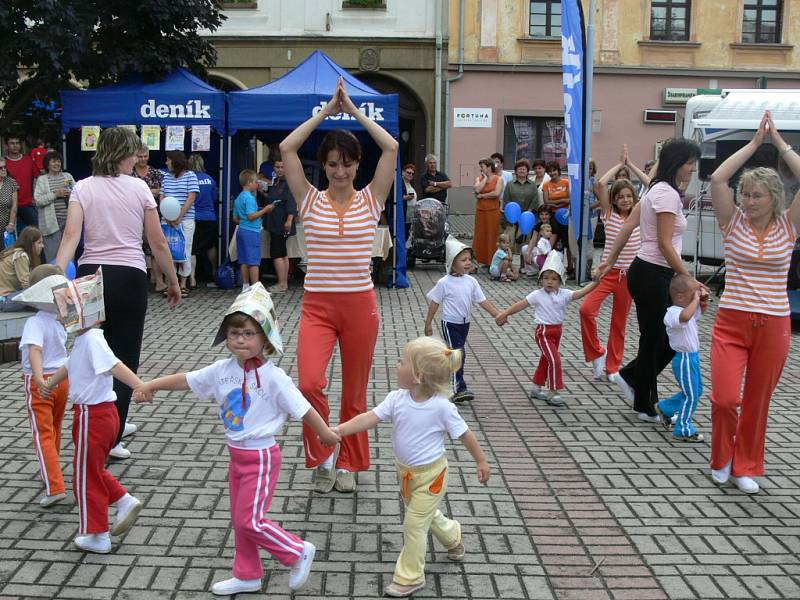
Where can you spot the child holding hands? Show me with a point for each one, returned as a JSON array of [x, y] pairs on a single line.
[[421, 415], [550, 304], [457, 292], [255, 398]]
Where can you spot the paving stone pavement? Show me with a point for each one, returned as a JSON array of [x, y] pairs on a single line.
[[584, 503]]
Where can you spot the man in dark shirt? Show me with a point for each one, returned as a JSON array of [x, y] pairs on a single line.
[[434, 183], [280, 222]]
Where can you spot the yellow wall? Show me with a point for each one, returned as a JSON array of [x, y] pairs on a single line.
[[496, 33]]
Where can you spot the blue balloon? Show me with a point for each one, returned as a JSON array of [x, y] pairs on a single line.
[[562, 216], [527, 220], [512, 211], [71, 271]]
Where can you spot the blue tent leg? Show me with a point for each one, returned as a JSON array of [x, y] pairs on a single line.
[[400, 278]]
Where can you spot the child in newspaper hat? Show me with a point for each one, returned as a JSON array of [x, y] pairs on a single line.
[[255, 398], [92, 368]]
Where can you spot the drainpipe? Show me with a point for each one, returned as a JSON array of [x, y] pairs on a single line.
[[451, 80], [437, 92]]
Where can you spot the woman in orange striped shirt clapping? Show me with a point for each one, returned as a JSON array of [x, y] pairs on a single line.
[[751, 336], [339, 303]]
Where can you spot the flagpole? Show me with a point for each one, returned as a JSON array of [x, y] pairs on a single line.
[[586, 246]]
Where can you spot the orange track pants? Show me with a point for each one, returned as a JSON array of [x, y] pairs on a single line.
[[46, 416], [615, 283]]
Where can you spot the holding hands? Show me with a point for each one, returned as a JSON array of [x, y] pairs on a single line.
[[330, 436], [143, 393]]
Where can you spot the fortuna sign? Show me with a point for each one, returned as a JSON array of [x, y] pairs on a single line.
[[193, 109], [368, 109]]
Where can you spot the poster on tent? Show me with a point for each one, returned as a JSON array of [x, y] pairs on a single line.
[[176, 135], [151, 136], [89, 135], [201, 138]]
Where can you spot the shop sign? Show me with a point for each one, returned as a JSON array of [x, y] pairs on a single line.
[[472, 117], [678, 95]]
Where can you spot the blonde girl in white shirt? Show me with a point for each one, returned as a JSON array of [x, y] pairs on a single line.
[[421, 415]]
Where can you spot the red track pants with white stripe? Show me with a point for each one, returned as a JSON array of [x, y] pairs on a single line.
[[94, 431], [615, 283], [252, 477], [46, 416], [548, 337]]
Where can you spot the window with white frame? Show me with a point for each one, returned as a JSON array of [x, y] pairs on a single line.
[[545, 18], [761, 21]]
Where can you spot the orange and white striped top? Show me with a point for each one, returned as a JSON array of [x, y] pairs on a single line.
[[756, 266], [613, 224], [339, 241]]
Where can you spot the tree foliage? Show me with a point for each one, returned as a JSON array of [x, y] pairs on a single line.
[[44, 44]]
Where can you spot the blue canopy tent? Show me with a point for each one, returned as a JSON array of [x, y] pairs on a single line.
[[283, 104], [179, 99]]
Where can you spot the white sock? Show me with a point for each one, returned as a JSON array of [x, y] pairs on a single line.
[[343, 471], [245, 287], [328, 464]]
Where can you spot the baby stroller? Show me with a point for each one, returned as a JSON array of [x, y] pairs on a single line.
[[428, 232]]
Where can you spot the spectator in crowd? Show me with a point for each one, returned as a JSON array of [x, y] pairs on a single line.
[[52, 195], [487, 211], [434, 183], [507, 176], [280, 222], [16, 264], [409, 195], [153, 178], [22, 168], [8, 199], [540, 177], [555, 194], [522, 191], [181, 184], [266, 170], [205, 218], [113, 210], [38, 153]]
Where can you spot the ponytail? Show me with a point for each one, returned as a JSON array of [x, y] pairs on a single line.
[[433, 363]]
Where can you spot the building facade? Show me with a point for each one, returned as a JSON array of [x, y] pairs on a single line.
[[504, 86], [395, 46]]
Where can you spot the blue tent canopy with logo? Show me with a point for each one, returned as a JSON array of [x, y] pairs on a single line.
[[179, 99], [280, 106]]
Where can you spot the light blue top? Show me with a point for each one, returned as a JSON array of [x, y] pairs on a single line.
[[244, 205]]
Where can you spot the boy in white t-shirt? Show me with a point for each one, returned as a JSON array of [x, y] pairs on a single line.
[[255, 397], [681, 321], [421, 416], [457, 293], [92, 368], [43, 351], [550, 304]]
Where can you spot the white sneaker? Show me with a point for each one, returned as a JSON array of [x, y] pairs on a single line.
[[46, 500], [599, 367], [537, 393], [236, 586], [627, 391], [648, 419], [300, 571], [721, 476], [99, 543], [128, 508], [746, 484], [120, 451], [129, 429]]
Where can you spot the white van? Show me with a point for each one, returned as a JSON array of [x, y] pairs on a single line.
[[721, 124]]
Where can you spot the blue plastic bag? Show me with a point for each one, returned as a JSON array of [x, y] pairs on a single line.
[[176, 241], [228, 276], [9, 239]]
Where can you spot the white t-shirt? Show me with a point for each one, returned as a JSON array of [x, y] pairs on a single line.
[[456, 294], [418, 428], [44, 330], [543, 247], [550, 308], [661, 198], [266, 409], [683, 337], [89, 367]]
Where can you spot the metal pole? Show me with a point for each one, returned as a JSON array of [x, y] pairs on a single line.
[[587, 142]]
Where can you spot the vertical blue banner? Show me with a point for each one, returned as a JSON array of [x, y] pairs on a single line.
[[572, 58]]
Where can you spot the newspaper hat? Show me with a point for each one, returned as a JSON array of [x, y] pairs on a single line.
[[80, 302], [256, 302], [554, 262], [452, 248], [40, 294]]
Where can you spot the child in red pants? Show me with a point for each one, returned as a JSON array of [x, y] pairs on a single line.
[[92, 368], [255, 397], [550, 303]]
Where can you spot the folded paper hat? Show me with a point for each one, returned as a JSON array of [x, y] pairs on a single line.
[[79, 303], [554, 262], [256, 302], [452, 248], [40, 294]]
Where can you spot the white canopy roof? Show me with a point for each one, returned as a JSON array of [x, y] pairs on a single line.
[[743, 109]]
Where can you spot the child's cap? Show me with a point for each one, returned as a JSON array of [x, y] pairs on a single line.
[[80, 302], [554, 262], [255, 302], [40, 294], [452, 248]]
